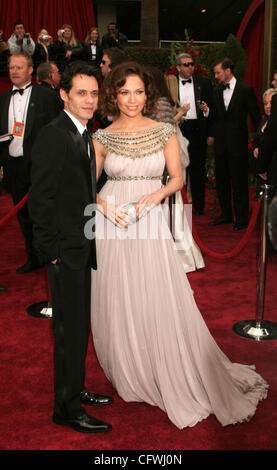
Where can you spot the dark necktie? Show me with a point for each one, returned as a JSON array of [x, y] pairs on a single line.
[[226, 86], [20, 90], [186, 81], [91, 154], [85, 137]]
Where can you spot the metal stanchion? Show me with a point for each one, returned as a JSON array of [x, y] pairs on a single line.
[[259, 329], [42, 309]]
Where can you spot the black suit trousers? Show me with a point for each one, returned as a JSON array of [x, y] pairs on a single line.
[[197, 147], [231, 172], [70, 290], [18, 184]]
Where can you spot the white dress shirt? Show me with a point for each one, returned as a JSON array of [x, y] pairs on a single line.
[[228, 92], [93, 51], [17, 113], [186, 95]]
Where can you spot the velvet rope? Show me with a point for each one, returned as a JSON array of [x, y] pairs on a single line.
[[13, 211], [207, 251], [239, 246]]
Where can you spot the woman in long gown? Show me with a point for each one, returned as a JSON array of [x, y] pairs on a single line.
[[149, 335]]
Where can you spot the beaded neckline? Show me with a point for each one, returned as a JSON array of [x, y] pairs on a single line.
[[135, 144]]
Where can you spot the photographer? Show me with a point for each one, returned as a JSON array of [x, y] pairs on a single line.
[[67, 47], [44, 51], [20, 41]]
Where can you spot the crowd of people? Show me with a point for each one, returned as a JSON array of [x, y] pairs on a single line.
[[63, 49], [150, 139]]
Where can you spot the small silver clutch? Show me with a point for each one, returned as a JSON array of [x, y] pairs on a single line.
[[131, 208]]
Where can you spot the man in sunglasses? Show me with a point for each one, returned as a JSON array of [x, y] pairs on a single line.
[[111, 58], [113, 38], [197, 92]]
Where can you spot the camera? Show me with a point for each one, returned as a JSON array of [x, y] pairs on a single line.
[[45, 36], [62, 31]]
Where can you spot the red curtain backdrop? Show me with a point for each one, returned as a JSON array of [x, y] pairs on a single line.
[[49, 14], [251, 35]]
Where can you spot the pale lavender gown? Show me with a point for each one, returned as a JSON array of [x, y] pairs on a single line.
[[149, 335]]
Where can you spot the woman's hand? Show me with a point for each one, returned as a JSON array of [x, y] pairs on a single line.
[[116, 214], [148, 201]]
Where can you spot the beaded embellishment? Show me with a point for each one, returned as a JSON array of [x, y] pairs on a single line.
[[138, 144], [133, 178]]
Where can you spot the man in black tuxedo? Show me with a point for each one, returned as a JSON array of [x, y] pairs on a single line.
[[113, 38], [48, 75], [197, 92], [24, 110], [233, 102], [63, 183]]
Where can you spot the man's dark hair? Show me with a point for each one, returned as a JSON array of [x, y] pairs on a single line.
[[44, 71], [112, 23], [77, 67], [18, 22], [226, 63], [116, 56]]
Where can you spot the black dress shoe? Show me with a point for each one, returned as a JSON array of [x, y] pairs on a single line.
[[221, 220], [239, 226], [88, 398], [28, 267], [3, 289], [83, 423]]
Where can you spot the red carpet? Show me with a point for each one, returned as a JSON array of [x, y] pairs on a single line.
[[225, 292]]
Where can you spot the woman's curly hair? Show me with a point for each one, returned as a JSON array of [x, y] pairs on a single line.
[[116, 80]]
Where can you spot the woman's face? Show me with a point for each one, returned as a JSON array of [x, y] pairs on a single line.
[[94, 35], [67, 33], [267, 104], [131, 97]]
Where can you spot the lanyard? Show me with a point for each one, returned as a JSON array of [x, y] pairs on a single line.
[[25, 107]]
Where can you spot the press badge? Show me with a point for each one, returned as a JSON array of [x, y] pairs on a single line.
[[18, 129]]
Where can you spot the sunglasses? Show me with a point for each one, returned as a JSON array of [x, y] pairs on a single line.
[[187, 64]]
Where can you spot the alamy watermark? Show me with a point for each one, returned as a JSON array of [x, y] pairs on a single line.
[[158, 222]]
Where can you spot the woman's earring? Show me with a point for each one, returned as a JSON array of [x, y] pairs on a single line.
[[144, 108]]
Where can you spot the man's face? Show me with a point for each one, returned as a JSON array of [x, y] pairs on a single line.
[[105, 65], [19, 30], [82, 99], [186, 68], [19, 70], [274, 81], [55, 76], [112, 30], [221, 75], [267, 104]]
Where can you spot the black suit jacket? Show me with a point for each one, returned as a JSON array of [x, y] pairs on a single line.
[[230, 128], [63, 183], [41, 110]]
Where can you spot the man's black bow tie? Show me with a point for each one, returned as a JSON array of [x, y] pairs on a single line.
[[20, 90], [226, 86], [186, 81]]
